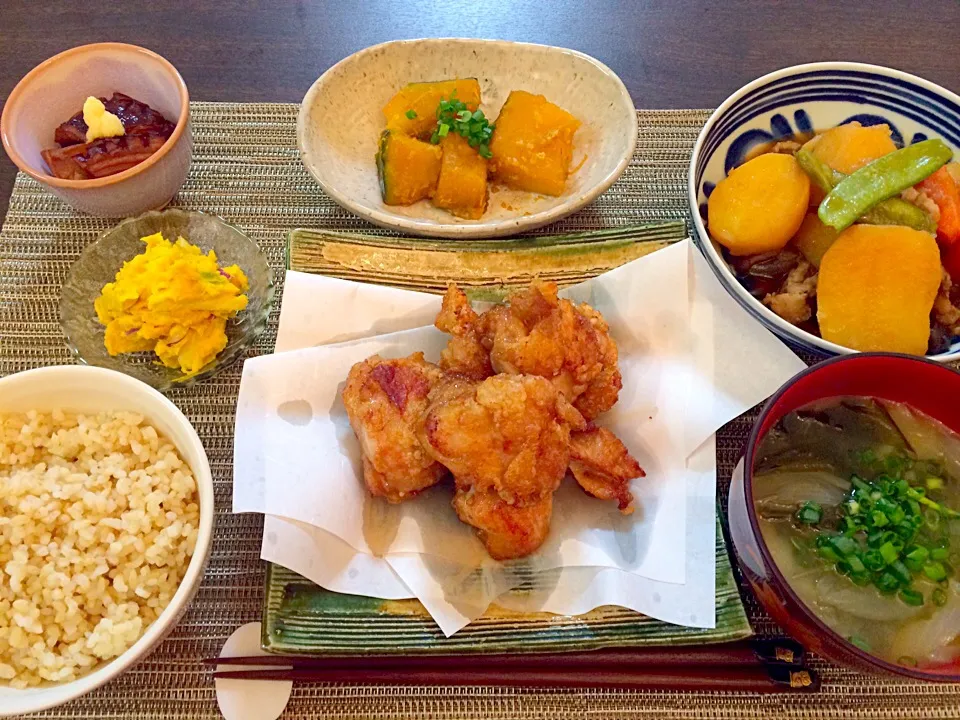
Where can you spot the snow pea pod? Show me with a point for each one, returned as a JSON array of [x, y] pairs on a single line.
[[892, 211], [883, 178], [821, 174]]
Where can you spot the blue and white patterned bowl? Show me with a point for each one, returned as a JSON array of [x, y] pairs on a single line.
[[803, 98]]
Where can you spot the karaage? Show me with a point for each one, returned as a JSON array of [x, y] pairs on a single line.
[[507, 442], [464, 354], [538, 333], [507, 412], [508, 433], [603, 466], [385, 401], [507, 531]]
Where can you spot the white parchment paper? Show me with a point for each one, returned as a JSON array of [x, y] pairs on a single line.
[[297, 461]]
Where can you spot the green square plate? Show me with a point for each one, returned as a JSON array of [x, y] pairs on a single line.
[[301, 617]]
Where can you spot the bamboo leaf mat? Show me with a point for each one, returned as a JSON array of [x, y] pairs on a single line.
[[247, 170]]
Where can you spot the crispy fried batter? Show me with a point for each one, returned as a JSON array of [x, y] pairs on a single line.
[[507, 442], [464, 354], [603, 466], [508, 433], [385, 401], [540, 334], [507, 531], [506, 412], [603, 390]]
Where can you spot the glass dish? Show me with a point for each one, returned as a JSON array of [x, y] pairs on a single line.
[[98, 265]]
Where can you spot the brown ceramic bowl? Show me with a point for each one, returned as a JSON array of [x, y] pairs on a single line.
[[928, 387], [54, 90]]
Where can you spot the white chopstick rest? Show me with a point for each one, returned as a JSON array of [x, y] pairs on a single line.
[[246, 699]]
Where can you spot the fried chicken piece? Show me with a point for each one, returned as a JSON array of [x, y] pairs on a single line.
[[507, 531], [540, 334], [603, 390], [508, 433], [603, 466], [385, 401], [464, 354], [507, 442]]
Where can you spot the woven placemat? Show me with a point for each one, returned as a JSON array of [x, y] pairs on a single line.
[[246, 169]]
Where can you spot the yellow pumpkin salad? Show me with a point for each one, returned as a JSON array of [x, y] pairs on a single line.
[[174, 300]]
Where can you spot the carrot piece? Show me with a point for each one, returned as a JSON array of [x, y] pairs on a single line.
[[945, 192], [950, 257]]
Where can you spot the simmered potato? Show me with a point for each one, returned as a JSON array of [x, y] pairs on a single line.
[[462, 188], [759, 206], [876, 288], [532, 144], [847, 148]]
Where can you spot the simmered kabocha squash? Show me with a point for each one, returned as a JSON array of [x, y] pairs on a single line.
[[413, 110], [532, 144], [408, 168], [462, 188]]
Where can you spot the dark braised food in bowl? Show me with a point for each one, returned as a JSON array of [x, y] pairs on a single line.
[[131, 132]]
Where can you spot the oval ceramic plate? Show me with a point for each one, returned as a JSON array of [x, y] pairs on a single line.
[[340, 123]]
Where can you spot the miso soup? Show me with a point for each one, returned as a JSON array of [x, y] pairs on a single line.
[[857, 500]]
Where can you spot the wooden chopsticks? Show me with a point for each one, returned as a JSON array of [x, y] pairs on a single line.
[[760, 666]]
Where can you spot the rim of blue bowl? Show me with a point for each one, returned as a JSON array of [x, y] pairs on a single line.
[[785, 331]]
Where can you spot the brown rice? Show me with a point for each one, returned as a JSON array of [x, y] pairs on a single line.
[[98, 520]]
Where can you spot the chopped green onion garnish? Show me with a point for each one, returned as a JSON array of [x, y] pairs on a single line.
[[939, 597], [454, 116], [827, 553], [886, 583], [889, 531], [935, 571], [889, 553], [844, 545], [911, 597], [411, 114], [810, 513], [901, 572], [873, 560]]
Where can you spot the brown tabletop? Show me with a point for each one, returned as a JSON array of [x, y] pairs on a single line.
[[670, 53]]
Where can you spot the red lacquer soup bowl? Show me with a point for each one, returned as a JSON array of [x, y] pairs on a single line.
[[926, 386]]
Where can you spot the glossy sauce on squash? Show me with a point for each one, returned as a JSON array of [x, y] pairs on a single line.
[[532, 144], [462, 187]]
